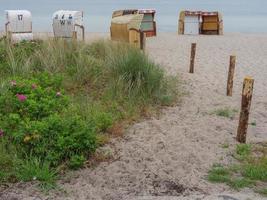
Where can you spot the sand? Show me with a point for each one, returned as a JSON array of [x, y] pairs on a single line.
[[168, 157]]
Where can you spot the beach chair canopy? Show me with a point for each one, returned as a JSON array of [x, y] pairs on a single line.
[[133, 11], [148, 25], [131, 21], [118, 13], [18, 25], [127, 28], [146, 11], [67, 22], [121, 26]]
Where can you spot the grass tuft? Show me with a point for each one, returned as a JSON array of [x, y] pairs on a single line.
[[219, 174], [239, 183], [34, 170], [251, 168], [225, 146], [226, 112], [243, 151], [254, 123], [263, 192]]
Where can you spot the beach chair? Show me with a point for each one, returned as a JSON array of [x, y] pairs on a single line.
[[148, 25], [68, 24], [198, 22], [18, 26], [127, 28]]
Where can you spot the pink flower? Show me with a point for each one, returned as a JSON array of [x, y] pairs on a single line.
[[21, 97], [1, 133], [58, 94], [34, 86], [13, 83]]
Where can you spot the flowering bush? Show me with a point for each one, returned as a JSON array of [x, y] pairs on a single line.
[[33, 117], [42, 129]]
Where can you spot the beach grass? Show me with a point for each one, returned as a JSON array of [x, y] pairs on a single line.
[[226, 112], [61, 100], [250, 170]]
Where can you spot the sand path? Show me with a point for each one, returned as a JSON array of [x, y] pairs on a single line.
[[168, 157]]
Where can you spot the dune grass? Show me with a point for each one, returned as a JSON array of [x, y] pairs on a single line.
[[226, 112], [249, 171], [61, 100]]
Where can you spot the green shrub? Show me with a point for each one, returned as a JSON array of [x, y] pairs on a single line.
[[8, 161], [33, 119], [102, 121], [56, 97], [76, 161]]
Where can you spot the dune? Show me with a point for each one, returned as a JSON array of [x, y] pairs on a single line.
[[169, 156]]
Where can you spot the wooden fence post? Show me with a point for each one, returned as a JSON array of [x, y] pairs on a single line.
[[231, 72], [142, 40], [192, 58], [245, 109], [137, 39], [74, 35]]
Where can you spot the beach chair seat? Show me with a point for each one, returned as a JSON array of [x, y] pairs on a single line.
[[210, 23], [18, 37]]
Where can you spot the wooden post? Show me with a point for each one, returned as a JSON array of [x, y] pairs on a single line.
[[230, 80], [74, 35], [142, 41], [192, 58], [245, 109], [135, 38]]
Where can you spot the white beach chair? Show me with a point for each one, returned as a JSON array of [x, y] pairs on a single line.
[[68, 24], [18, 25]]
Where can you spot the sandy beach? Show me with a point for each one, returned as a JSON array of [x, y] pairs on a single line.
[[168, 157]]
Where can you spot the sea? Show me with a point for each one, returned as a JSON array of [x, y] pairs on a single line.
[[245, 16]]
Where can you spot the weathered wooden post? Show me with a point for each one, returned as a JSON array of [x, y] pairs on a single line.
[[74, 35], [245, 109], [231, 72], [192, 58], [137, 39], [142, 41]]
